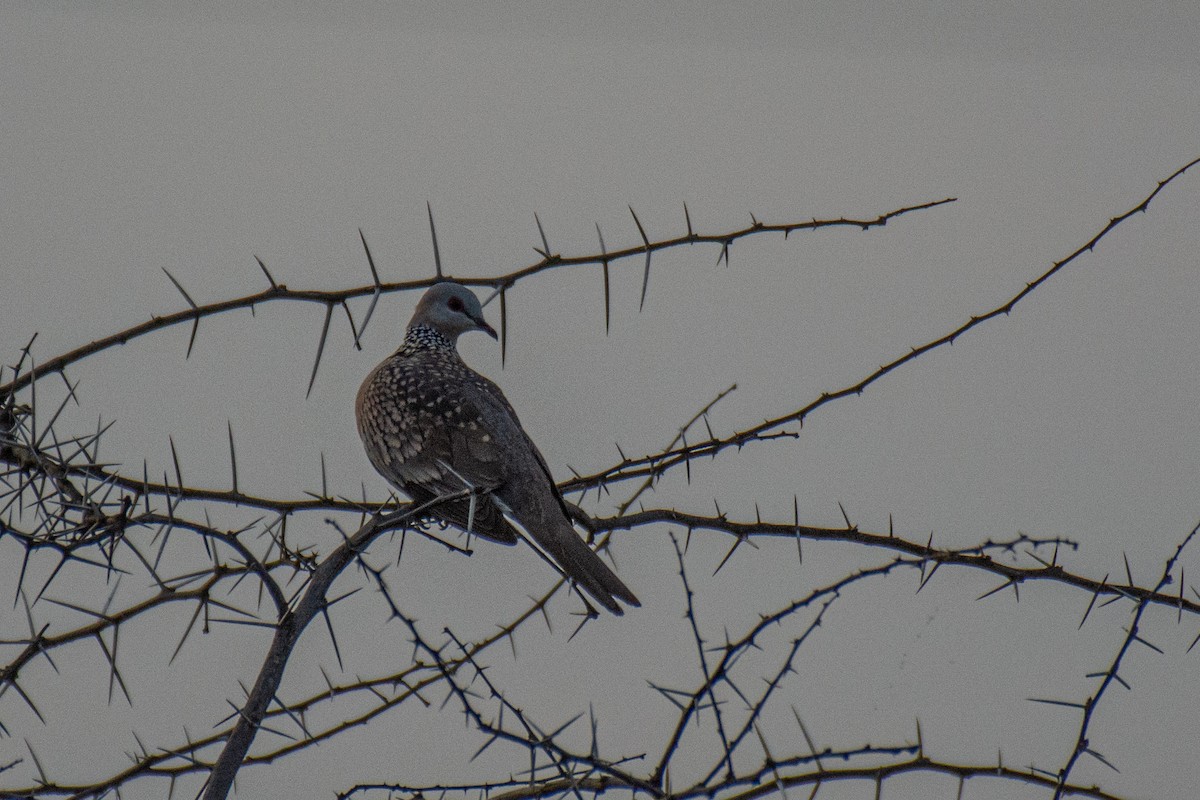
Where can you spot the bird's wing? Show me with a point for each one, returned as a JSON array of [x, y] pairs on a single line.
[[431, 445], [528, 493], [458, 445], [471, 437]]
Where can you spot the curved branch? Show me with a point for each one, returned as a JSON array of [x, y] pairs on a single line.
[[328, 299], [287, 633], [974, 557], [653, 466]]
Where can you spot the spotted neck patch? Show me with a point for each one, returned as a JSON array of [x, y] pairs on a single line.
[[422, 337]]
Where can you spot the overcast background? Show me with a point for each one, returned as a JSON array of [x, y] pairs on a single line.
[[142, 137]]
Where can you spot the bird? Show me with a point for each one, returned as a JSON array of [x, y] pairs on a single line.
[[434, 427]]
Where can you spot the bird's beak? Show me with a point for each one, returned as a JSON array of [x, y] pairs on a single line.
[[488, 329]]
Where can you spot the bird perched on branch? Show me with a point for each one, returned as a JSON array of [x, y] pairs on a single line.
[[434, 427]]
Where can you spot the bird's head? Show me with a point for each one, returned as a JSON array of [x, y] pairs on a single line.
[[451, 309]]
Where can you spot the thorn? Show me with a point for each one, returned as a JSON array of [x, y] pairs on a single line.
[[991, 592], [266, 272], [687, 461], [503, 327], [545, 241], [1092, 602], [737, 542], [812, 747], [1066, 703], [175, 460], [232, 456], [588, 616], [192, 338], [367, 318], [320, 348], [353, 328], [371, 259], [850, 526], [604, 267], [1153, 647], [646, 272], [1179, 615], [1100, 758], [45, 779], [796, 522], [182, 291], [927, 578], [1039, 559], [1116, 677], [437, 255]]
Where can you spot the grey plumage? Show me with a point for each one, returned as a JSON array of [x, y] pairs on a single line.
[[433, 426]]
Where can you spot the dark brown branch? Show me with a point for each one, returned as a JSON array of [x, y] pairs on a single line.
[[659, 463], [1110, 675], [287, 634], [974, 557], [335, 297]]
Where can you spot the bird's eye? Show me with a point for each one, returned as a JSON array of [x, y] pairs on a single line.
[[455, 304]]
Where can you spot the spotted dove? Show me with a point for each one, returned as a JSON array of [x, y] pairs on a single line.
[[433, 427]]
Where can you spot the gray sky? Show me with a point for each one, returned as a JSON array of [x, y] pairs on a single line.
[[139, 138]]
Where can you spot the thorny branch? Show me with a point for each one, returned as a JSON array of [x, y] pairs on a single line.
[[330, 299], [56, 496], [654, 465]]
